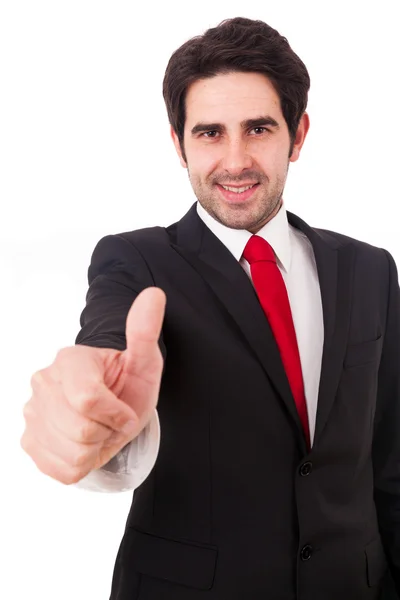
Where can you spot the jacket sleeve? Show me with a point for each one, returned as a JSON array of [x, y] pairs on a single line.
[[116, 275], [386, 441]]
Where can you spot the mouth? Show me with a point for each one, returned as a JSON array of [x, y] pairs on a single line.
[[236, 194]]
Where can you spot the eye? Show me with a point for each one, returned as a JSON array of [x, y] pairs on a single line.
[[206, 133], [260, 129]]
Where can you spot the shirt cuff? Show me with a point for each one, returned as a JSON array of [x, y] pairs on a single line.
[[130, 467]]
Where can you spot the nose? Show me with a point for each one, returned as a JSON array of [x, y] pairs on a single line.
[[236, 157]]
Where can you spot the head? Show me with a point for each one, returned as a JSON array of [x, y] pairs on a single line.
[[236, 99]]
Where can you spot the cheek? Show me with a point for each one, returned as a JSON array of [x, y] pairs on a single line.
[[270, 155], [203, 163], [274, 161]]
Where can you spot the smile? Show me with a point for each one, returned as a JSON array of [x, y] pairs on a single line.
[[237, 194], [238, 190]]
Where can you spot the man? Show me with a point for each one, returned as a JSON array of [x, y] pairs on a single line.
[[271, 350]]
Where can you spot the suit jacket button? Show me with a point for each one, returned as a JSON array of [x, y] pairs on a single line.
[[306, 552], [305, 469]]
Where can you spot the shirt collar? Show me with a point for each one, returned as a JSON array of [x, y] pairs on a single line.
[[275, 232]]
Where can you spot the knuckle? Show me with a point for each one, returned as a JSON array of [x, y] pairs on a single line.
[[61, 474], [86, 431], [87, 399], [62, 352], [24, 443], [72, 475], [79, 458], [37, 379], [27, 410], [157, 357], [159, 360], [29, 446]]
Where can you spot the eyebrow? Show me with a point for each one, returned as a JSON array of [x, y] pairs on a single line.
[[247, 124]]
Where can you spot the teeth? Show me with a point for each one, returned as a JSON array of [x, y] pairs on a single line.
[[238, 190]]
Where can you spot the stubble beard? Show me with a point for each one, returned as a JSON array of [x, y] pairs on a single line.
[[248, 216]]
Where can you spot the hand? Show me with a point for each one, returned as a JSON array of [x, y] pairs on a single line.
[[91, 402]]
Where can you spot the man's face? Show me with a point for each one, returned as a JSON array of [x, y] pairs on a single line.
[[235, 135]]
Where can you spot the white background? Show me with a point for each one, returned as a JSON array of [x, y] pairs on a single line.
[[85, 151]]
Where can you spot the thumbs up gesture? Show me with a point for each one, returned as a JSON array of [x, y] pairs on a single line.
[[91, 402]]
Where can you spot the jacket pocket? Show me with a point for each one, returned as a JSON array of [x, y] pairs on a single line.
[[360, 354], [376, 562], [185, 563]]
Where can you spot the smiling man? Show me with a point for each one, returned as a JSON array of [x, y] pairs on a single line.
[[237, 148], [270, 469]]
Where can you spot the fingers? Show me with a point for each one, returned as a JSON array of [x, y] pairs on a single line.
[[49, 463], [66, 421], [64, 444], [143, 329], [49, 438], [58, 456], [66, 461], [74, 420], [83, 387]]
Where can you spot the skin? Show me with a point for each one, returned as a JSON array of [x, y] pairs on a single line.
[[90, 402], [232, 154]]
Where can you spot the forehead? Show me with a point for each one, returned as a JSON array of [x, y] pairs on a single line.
[[231, 97]]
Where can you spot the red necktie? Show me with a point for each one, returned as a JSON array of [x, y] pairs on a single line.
[[272, 293]]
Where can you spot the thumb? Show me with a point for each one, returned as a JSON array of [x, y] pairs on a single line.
[[143, 329]]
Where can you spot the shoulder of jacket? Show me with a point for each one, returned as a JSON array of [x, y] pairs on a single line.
[[343, 240]]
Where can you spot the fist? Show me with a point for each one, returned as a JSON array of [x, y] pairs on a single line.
[[91, 402]]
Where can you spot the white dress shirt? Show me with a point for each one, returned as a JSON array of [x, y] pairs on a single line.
[[296, 261]]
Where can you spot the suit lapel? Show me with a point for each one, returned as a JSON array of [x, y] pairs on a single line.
[[228, 281], [335, 264]]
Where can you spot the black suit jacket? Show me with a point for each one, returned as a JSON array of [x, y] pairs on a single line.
[[235, 507]]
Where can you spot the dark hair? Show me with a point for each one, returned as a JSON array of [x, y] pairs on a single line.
[[237, 45]]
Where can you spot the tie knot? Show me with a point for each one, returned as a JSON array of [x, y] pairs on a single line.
[[257, 249]]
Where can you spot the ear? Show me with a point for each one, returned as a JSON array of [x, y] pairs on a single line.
[[301, 133], [178, 147]]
